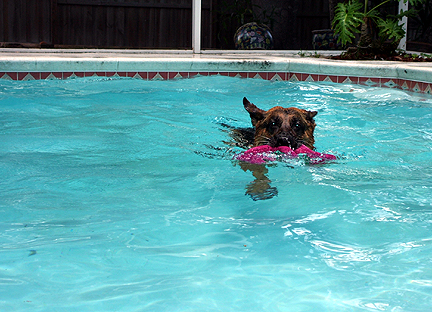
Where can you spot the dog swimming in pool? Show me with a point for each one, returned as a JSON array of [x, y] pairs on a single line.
[[279, 126], [287, 131]]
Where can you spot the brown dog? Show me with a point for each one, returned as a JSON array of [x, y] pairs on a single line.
[[280, 126], [276, 127]]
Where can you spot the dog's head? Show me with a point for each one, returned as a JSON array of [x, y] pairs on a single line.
[[282, 126]]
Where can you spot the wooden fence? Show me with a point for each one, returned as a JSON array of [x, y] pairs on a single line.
[[147, 23], [103, 23], [25, 21]]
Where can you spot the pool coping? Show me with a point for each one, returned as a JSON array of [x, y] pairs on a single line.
[[29, 64]]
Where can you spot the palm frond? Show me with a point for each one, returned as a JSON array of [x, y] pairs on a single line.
[[373, 14], [390, 29], [407, 13], [348, 18]]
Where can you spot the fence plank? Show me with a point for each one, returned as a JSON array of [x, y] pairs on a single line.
[[139, 23], [183, 4], [4, 21]]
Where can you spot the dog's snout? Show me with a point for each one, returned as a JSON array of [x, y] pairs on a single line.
[[283, 141], [280, 126], [286, 140]]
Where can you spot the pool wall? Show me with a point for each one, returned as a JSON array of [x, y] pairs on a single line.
[[35, 64]]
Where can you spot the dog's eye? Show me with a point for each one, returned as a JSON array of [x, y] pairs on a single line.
[[298, 126], [273, 125]]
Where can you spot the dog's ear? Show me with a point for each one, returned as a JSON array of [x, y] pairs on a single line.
[[310, 115], [255, 113]]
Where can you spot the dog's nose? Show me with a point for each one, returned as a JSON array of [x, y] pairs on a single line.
[[285, 141]]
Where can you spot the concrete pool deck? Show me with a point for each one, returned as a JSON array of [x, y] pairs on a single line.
[[29, 64]]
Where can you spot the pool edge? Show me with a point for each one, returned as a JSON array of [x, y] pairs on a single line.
[[35, 64]]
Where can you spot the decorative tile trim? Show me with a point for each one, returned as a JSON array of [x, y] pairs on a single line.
[[403, 84]]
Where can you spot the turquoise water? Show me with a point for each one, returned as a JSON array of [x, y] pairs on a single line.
[[121, 195]]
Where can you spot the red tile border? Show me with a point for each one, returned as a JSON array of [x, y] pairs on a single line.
[[418, 87], [294, 77], [303, 77], [354, 79], [278, 76], [151, 75], [254, 75], [36, 76], [164, 75], [142, 75], [370, 81], [334, 78], [67, 74], [283, 75], [262, 75], [403, 84], [312, 77], [172, 75], [42, 75], [389, 83], [58, 75], [342, 79], [13, 76], [21, 76]]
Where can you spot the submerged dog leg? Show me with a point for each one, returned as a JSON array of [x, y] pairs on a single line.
[[260, 188]]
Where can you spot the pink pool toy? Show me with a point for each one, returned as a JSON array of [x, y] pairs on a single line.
[[265, 153]]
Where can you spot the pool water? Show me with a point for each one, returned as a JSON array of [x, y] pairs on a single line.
[[122, 195]]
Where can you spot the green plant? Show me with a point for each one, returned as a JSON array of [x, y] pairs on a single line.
[[309, 54], [301, 54], [366, 18], [315, 54]]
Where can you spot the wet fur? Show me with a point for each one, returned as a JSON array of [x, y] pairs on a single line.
[[279, 126], [276, 127]]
